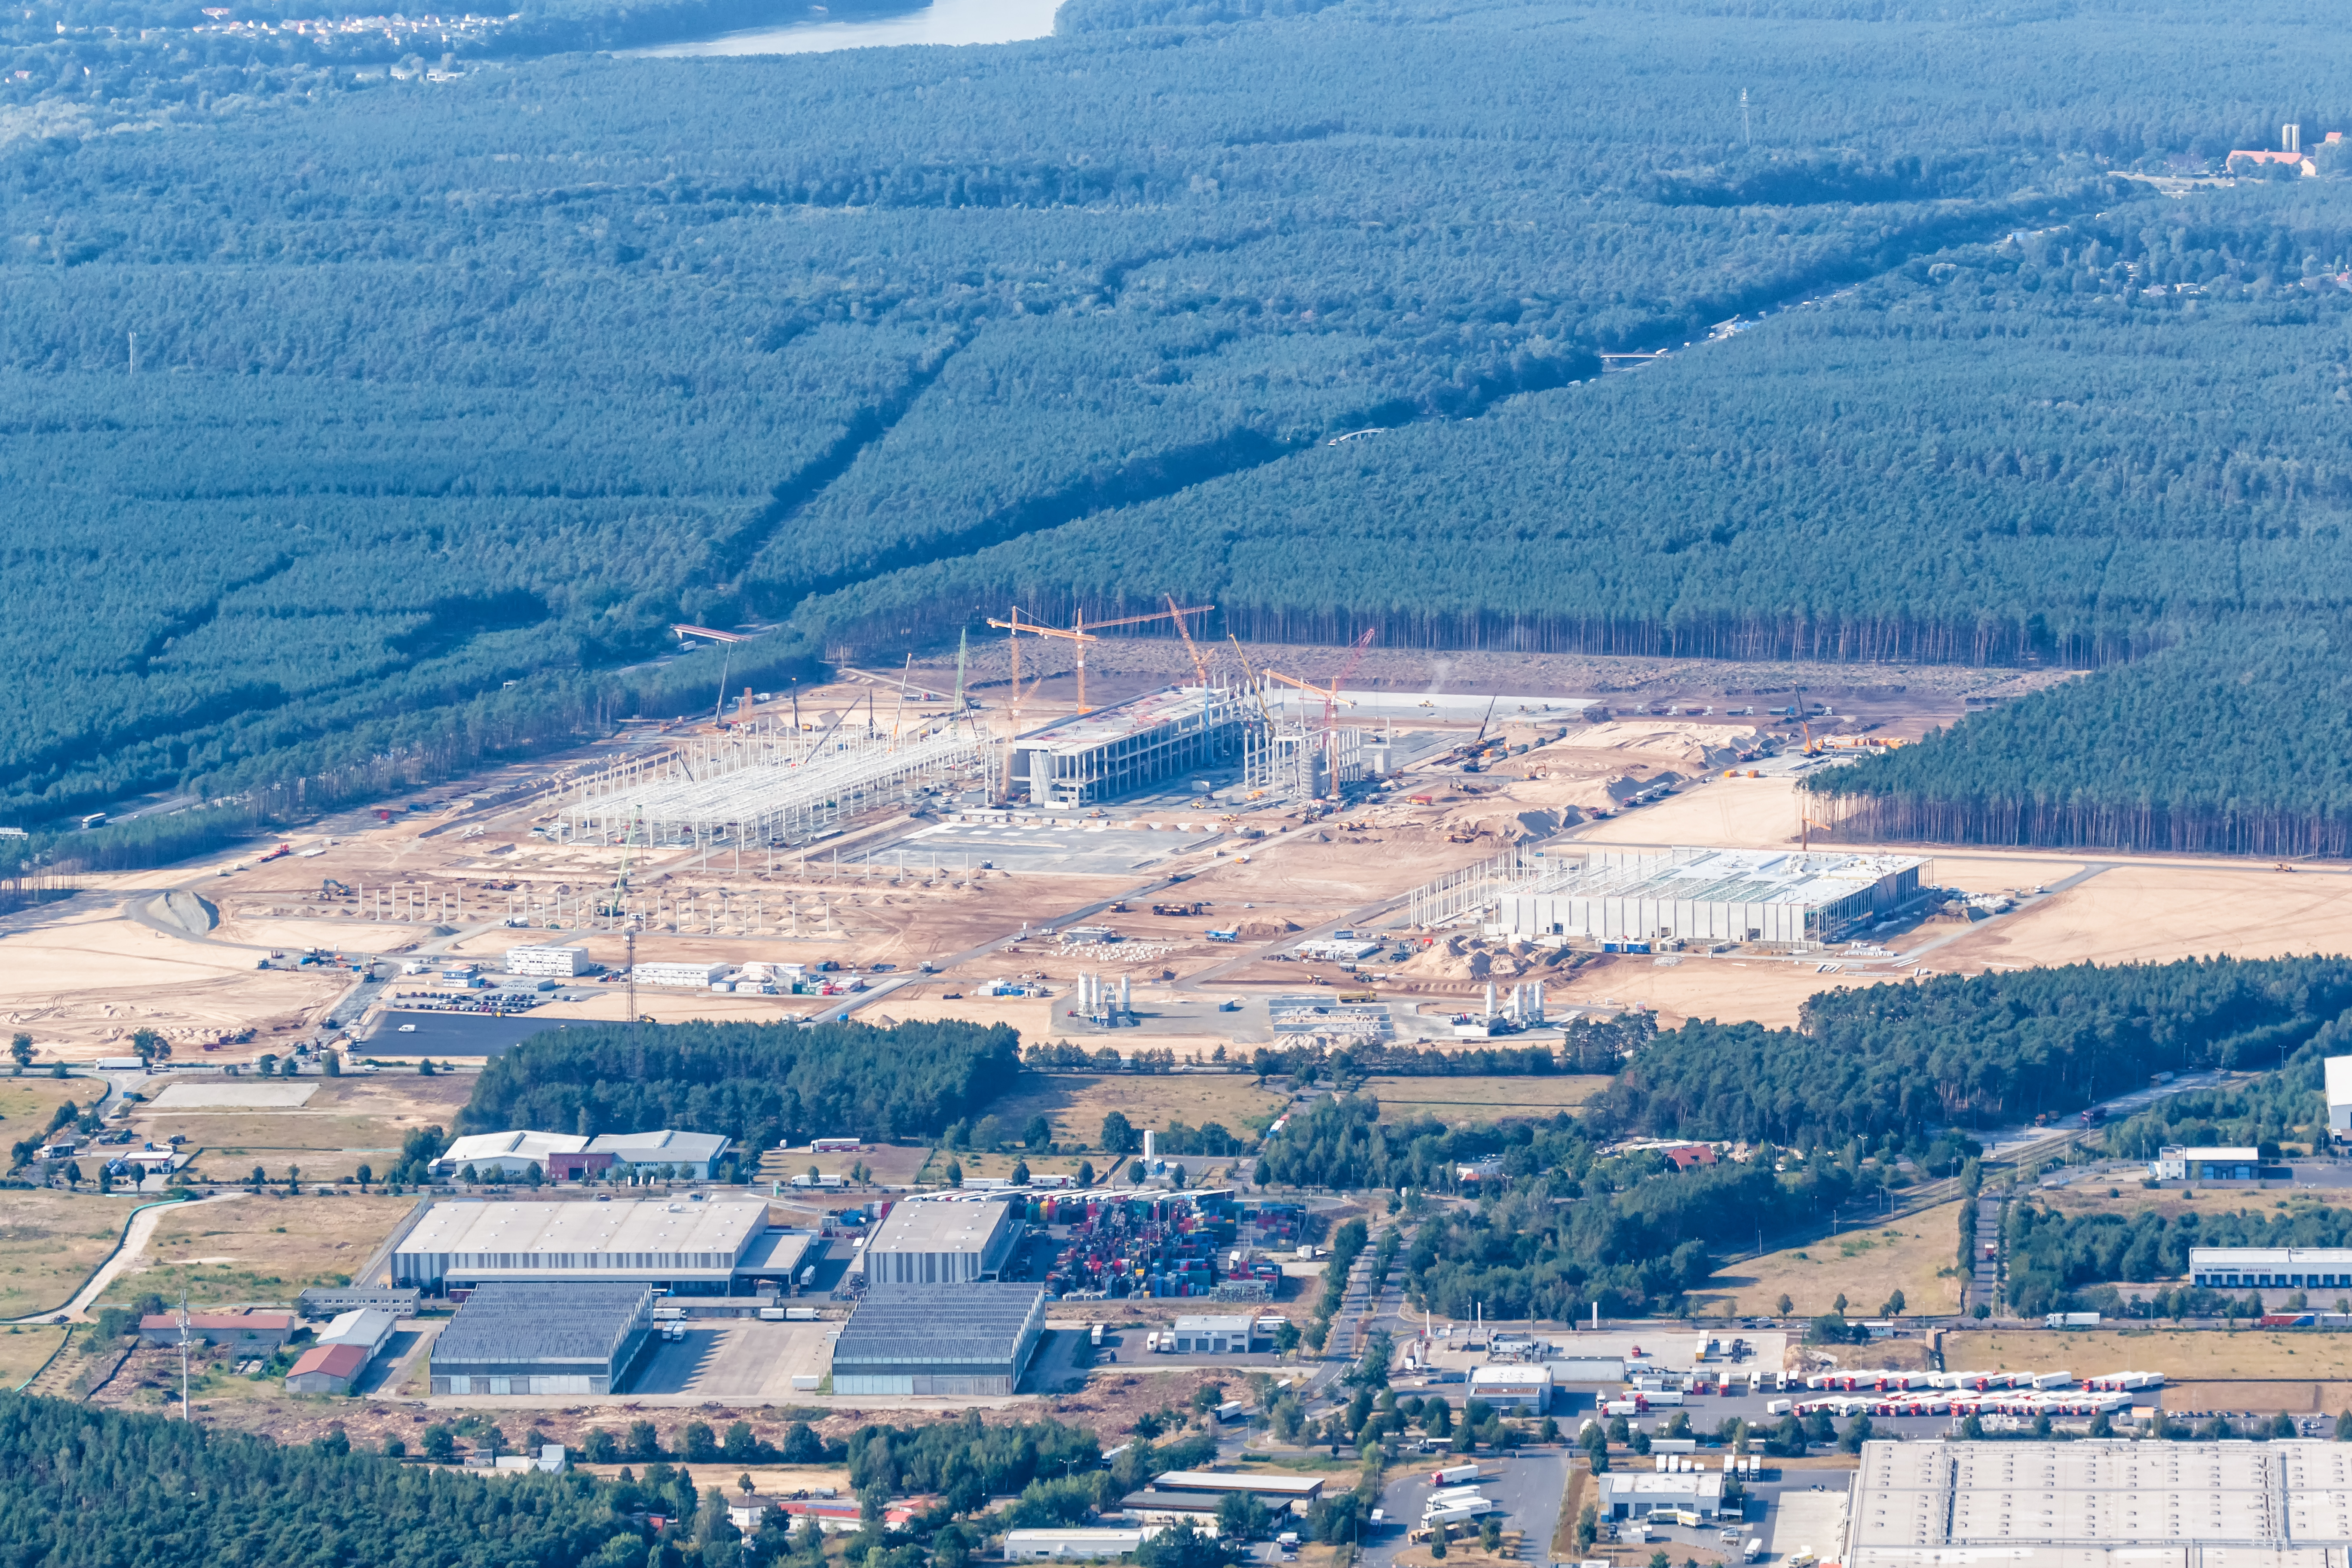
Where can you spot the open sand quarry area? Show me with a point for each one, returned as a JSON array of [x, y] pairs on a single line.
[[210, 954]]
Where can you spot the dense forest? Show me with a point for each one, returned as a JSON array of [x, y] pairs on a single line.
[[1563, 1224], [758, 1083], [85, 1487], [2236, 742], [2001, 1049], [446, 379]]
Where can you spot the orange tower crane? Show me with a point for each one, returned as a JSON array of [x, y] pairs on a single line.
[[1083, 632], [1331, 698]]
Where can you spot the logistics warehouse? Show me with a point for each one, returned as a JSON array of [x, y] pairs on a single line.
[[971, 1339], [2289, 1268], [684, 1248]]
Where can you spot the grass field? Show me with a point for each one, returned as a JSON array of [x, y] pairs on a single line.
[[263, 1247], [348, 1122], [1077, 1104], [1865, 1266], [2183, 1355], [21, 1352], [2126, 1196], [1480, 1097], [49, 1242], [27, 1102]]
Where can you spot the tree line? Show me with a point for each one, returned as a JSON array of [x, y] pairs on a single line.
[[760, 1084], [1990, 1050]]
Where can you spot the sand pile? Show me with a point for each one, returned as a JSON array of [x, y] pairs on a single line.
[[1462, 956]]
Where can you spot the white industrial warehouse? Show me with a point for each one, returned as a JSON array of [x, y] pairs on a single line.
[[1788, 897], [2100, 1504], [929, 1242], [687, 1248]]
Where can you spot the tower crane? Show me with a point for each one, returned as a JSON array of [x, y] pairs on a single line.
[[1331, 698], [1080, 634], [1176, 614], [1256, 689]]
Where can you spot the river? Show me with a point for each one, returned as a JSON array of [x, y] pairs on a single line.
[[940, 21]]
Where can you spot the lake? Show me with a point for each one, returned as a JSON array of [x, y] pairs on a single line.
[[942, 22]]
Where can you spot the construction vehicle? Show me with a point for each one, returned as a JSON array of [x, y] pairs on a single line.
[[331, 889], [1181, 911], [278, 854]]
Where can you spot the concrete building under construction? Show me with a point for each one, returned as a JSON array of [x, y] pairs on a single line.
[[1787, 897], [1111, 752]]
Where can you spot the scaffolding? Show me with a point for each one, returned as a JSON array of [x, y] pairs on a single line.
[[778, 787]]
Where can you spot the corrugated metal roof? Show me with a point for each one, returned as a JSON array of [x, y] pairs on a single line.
[[957, 1323], [520, 1322], [335, 1360], [667, 1230]]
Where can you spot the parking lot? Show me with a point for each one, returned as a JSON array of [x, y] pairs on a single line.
[[1525, 1486], [739, 1358]]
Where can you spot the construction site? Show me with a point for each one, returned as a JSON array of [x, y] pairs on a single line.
[[1208, 851]]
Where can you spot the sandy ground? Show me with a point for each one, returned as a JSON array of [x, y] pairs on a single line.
[[1766, 991], [79, 979], [1914, 1255], [2150, 913], [1737, 813]]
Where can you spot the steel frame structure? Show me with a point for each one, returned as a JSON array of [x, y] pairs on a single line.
[[1458, 895], [762, 787]]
